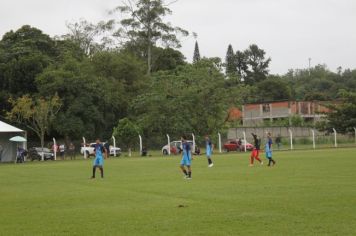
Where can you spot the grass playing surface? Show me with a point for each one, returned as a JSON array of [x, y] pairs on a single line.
[[307, 193]]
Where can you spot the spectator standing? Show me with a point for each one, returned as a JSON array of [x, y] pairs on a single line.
[[72, 151]]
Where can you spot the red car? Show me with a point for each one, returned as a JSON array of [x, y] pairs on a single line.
[[237, 145]]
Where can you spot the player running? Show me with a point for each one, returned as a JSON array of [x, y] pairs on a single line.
[[209, 151], [99, 158], [186, 159], [256, 150]]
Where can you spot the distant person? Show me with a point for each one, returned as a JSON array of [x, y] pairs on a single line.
[[186, 161], [107, 149], [144, 152], [209, 150], [55, 148], [278, 141], [269, 140], [268, 151], [20, 155], [72, 151], [256, 150], [99, 158], [62, 151], [197, 150]]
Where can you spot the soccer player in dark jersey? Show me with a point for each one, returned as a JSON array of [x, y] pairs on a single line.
[[186, 161], [99, 158], [256, 150]]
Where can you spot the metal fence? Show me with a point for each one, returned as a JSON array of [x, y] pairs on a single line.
[[296, 137]]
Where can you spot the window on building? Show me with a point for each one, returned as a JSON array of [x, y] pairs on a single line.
[[266, 108]]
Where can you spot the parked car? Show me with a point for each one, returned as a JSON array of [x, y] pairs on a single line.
[[176, 147], [237, 145], [89, 149], [35, 153]]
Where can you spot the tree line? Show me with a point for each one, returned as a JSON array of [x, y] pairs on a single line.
[[102, 78]]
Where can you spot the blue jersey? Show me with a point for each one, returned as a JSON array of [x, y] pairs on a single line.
[[209, 148], [268, 150], [186, 157], [98, 150], [270, 142]]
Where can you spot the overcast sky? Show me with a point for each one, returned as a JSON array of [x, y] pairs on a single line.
[[290, 31]]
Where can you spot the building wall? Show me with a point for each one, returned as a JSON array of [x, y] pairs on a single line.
[[255, 114]]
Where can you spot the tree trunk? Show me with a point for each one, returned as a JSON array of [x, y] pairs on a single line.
[[42, 145], [149, 56], [130, 153]]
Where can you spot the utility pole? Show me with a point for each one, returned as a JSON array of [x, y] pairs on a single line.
[[309, 65]]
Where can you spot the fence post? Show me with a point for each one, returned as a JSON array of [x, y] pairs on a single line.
[[169, 144], [84, 151], [54, 151], [335, 137], [219, 142], [140, 137], [291, 138], [313, 133], [245, 141], [114, 141]]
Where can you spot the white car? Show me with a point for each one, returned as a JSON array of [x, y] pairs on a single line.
[[89, 150], [176, 147]]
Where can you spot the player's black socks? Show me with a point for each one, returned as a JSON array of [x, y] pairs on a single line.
[[94, 168], [185, 172], [190, 174], [210, 161], [102, 172]]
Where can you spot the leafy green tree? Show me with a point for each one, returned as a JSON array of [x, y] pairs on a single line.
[[190, 99], [273, 89], [257, 64], [230, 62], [37, 114], [145, 26], [241, 64], [196, 56], [343, 115], [95, 93], [166, 59], [25, 53], [127, 133]]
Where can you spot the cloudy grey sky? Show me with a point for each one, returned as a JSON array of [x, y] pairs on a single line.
[[290, 31]]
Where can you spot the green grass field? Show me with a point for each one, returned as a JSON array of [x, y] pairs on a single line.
[[307, 193]]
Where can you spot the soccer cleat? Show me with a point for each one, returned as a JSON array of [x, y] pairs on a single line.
[[261, 163], [189, 178], [211, 165], [251, 165]]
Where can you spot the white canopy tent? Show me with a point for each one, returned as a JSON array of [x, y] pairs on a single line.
[[8, 148]]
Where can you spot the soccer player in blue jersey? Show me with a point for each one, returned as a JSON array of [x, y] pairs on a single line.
[[209, 150], [186, 162], [99, 158], [268, 149], [269, 140]]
